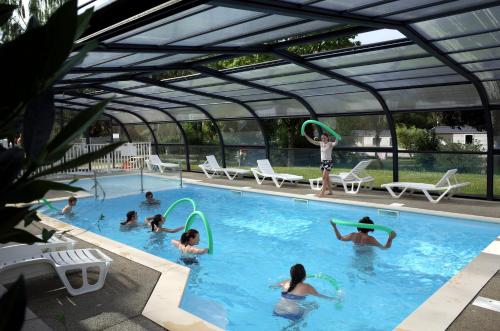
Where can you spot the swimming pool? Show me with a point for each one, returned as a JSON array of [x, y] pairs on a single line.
[[258, 237]]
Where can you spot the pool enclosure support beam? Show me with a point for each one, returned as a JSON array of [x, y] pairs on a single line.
[[223, 76], [182, 103], [122, 110], [127, 103], [300, 61], [213, 96]]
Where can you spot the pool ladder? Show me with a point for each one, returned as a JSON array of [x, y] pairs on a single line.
[[388, 212], [298, 200]]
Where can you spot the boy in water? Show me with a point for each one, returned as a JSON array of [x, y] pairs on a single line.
[[150, 200], [362, 237], [69, 207]]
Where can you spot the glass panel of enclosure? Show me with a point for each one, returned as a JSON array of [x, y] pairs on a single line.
[[100, 132], [495, 118], [344, 103], [242, 132], [244, 157], [167, 133], [139, 133], [466, 23], [432, 97], [226, 110], [393, 6], [173, 154], [198, 153], [285, 132], [274, 108], [186, 114], [496, 178], [489, 39], [430, 167], [360, 131], [493, 91], [125, 118], [118, 133], [200, 133], [457, 131]]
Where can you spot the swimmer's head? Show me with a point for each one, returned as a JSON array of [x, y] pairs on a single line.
[[298, 274], [149, 195], [365, 220], [72, 201], [191, 237], [157, 220]]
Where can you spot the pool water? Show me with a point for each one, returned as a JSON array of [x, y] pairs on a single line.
[[257, 238]]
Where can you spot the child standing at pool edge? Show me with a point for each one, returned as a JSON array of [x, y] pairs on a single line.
[[326, 147], [362, 237]]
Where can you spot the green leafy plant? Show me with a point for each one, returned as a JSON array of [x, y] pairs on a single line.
[[30, 65]]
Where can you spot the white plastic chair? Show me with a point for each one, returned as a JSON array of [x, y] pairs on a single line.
[[211, 168], [265, 170], [448, 185], [154, 161], [63, 261], [352, 181]]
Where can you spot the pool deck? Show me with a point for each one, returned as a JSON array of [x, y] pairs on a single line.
[[141, 288]]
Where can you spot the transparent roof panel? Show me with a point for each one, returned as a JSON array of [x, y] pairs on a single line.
[[226, 110], [389, 66], [187, 114], [300, 78], [450, 26], [213, 18], [251, 26], [255, 97], [280, 34], [432, 97], [169, 59], [124, 117], [153, 115], [129, 59], [475, 56], [124, 84], [328, 90], [361, 58], [461, 44], [222, 88], [281, 70], [485, 65], [199, 82], [344, 103], [284, 107], [488, 75], [437, 9], [310, 85], [406, 74], [242, 132], [392, 6], [493, 91], [418, 81], [336, 4]]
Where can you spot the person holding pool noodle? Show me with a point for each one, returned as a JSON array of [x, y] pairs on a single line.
[[326, 146], [362, 238]]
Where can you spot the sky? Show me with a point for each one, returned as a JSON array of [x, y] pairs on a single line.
[[378, 36]]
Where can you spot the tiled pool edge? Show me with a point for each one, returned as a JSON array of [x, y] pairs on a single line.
[[163, 306]]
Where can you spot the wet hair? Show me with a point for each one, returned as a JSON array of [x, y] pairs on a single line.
[[149, 193], [156, 221], [298, 274], [365, 220], [186, 236], [130, 214], [71, 199]]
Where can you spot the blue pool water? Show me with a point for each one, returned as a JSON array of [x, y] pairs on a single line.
[[257, 238]]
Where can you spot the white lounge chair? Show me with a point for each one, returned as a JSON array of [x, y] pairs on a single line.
[[265, 170], [63, 261], [211, 168], [155, 162], [448, 185], [57, 242], [352, 181]]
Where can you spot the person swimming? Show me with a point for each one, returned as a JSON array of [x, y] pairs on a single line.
[[362, 238], [69, 207], [131, 219], [156, 223], [294, 291], [150, 200], [189, 253]]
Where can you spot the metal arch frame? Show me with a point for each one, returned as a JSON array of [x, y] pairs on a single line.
[[127, 103], [300, 61], [120, 124], [223, 76], [183, 103], [305, 11], [122, 110], [214, 96]]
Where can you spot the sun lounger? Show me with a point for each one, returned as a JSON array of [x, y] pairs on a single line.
[[447, 185], [352, 181], [63, 261], [155, 162], [211, 168], [265, 170]]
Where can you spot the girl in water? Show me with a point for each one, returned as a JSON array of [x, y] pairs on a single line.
[[131, 219], [326, 147], [156, 223], [187, 247], [293, 291], [362, 238]]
